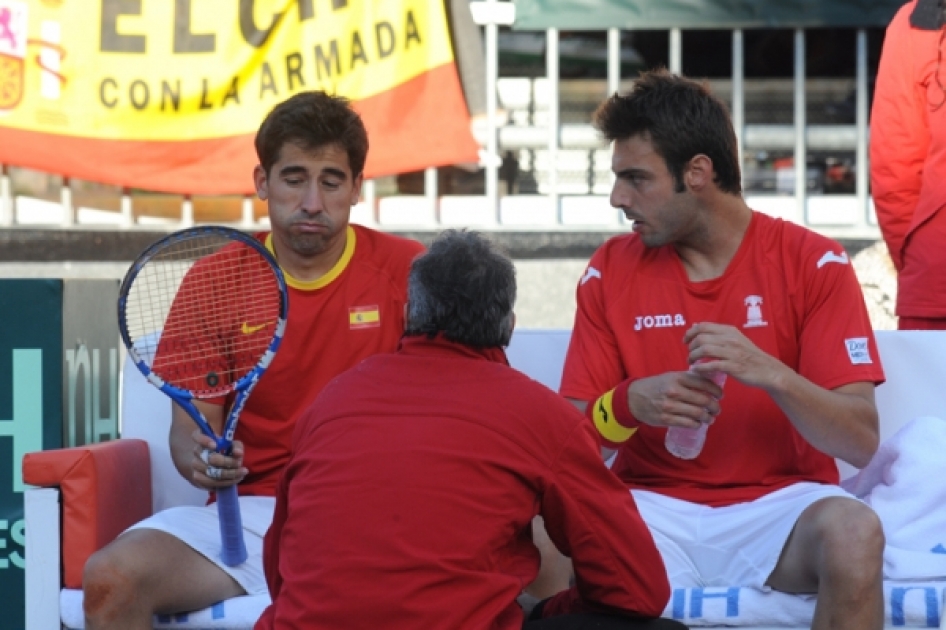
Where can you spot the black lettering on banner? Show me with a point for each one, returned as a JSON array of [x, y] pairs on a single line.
[[139, 94], [321, 61], [184, 40], [411, 30], [204, 93], [294, 70], [306, 10], [110, 39], [170, 95], [267, 82], [112, 83], [233, 92], [384, 38], [253, 35], [357, 50]]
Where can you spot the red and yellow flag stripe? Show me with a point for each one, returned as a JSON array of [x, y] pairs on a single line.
[[169, 98]]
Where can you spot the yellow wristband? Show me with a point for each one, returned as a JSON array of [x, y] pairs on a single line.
[[610, 429]]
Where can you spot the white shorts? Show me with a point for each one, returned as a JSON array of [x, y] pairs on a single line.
[[735, 545], [199, 528]]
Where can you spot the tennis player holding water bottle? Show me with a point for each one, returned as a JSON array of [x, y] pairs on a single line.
[[705, 286]]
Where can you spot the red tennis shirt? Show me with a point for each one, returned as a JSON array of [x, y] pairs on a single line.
[[792, 292]]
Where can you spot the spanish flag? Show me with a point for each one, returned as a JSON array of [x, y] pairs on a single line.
[[167, 96], [364, 317]]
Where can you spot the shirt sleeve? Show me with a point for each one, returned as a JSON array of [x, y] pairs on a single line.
[[899, 134], [591, 517], [837, 344], [593, 362]]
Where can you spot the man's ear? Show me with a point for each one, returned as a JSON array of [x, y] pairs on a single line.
[[699, 172], [261, 182], [512, 328], [356, 188]]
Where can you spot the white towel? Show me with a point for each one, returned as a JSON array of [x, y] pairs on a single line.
[[906, 604], [238, 613], [905, 483]]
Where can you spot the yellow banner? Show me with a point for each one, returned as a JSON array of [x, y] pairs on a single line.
[[167, 70]]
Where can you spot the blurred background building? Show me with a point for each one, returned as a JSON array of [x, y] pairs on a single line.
[[797, 76]]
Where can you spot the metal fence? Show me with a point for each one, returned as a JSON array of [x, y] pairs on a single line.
[[545, 168]]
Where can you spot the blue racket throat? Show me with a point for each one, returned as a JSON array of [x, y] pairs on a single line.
[[202, 313]]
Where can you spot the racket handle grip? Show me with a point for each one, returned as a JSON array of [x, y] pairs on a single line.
[[233, 551]]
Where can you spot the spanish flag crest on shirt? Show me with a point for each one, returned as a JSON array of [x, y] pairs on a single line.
[[364, 317]]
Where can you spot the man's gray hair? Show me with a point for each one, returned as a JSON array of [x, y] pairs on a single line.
[[464, 288]]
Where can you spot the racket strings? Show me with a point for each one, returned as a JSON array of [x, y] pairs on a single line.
[[215, 305]]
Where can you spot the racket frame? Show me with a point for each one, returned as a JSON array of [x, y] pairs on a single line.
[[233, 550]]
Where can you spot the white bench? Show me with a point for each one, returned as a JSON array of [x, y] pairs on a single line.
[[915, 364]]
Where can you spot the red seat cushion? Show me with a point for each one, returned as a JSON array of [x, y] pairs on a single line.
[[105, 488]]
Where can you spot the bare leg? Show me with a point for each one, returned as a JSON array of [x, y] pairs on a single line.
[[555, 573], [836, 550], [144, 572]]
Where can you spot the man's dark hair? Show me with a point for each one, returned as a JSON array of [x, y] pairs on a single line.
[[464, 288], [928, 15], [312, 120], [681, 118]]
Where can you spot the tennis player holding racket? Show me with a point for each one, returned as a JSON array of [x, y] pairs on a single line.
[[347, 286]]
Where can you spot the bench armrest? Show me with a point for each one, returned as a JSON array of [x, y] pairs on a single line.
[[105, 489]]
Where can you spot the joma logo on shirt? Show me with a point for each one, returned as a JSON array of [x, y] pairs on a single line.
[[659, 321]]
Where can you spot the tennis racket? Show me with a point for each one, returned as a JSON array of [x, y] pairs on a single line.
[[202, 313]]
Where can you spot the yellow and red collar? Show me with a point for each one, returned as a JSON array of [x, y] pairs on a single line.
[[331, 274]]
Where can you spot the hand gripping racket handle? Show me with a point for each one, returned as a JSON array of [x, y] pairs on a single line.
[[233, 551]]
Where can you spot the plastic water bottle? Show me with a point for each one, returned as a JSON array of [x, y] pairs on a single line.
[[687, 443]]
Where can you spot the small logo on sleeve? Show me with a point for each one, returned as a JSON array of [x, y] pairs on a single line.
[[364, 317], [831, 257], [590, 273], [858, 350]]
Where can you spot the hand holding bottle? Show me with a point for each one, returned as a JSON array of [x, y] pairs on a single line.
[[687, 443]]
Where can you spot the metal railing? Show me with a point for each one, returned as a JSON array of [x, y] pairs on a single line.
[[554, 206]]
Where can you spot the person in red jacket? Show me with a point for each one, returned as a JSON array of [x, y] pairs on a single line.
[[908, 160], [409, 497]]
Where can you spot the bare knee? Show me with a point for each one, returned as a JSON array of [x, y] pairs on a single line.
[[852, 542], [110, 583]]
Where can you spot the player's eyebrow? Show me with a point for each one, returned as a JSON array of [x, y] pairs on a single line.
[[335, 172], [631, 172], [293, 169]]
